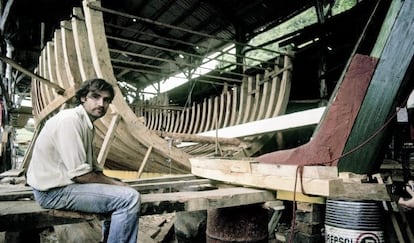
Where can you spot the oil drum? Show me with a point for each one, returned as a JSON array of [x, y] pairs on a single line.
[[353, 221], [237, 224]]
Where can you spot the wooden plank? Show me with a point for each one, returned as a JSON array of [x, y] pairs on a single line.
[[249, 103], [284, 88], [209, 115], [218, 198], [274, 90], [214, 116], [386, 28], [44, 94], [169, 178], [28, 154], [203, 116], [226, 103], [17, 193], [28, 73], [83, 52], [183, 125], [242, 101], [221, 105], [299, 197], [254, 167], [14, 192], [261, 98], [192, 111], [359, 191], [234, 112], [185, 137], [144, 162], [198, 117], [21, 215], [33, 91], [109, 137], [168, 120], [166, 229], [56, 104], [389, 80], [59, 59], [176, 185], [319, 187], [316, 180], [51, 64], [150, 123], [179, 120], [69, 54]]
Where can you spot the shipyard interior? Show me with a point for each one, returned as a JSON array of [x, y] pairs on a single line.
[[236, 120]]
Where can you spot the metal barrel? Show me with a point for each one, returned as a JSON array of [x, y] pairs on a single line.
[[237, 224], [353, 221]]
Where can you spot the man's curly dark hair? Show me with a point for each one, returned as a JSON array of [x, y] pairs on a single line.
[[91, 85]]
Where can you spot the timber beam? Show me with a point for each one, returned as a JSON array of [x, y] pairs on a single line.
[[180, 195], [322, 181]]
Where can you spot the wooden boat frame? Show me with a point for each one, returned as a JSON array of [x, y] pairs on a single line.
[[79, 51]]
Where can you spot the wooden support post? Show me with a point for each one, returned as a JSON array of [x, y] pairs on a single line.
[[144, 162], [103, 153], [391, 214], [28, 73], [28, 155]]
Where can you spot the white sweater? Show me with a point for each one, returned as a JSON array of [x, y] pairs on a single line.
[[63, 150]]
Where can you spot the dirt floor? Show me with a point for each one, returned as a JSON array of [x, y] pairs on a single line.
[[153, 228]]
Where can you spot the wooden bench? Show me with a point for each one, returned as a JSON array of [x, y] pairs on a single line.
[[18, 211]]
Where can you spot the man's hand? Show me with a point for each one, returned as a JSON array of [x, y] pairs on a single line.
[[409, 203], [98, 177]]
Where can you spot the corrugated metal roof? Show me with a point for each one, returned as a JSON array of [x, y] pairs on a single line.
[[160, 31]]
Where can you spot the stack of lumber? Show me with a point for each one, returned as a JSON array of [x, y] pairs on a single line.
[[323, 181]]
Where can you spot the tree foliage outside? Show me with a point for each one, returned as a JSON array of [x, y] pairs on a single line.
[[298, 22]]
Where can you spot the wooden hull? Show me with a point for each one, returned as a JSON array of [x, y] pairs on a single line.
[[126, 141], [79, 52]]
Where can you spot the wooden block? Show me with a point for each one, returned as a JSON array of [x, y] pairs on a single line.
[[360, 191], [275, 205], [286, 195], [280, 237], [166, 229], [309, 207], [352, 177], [309, 217]]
